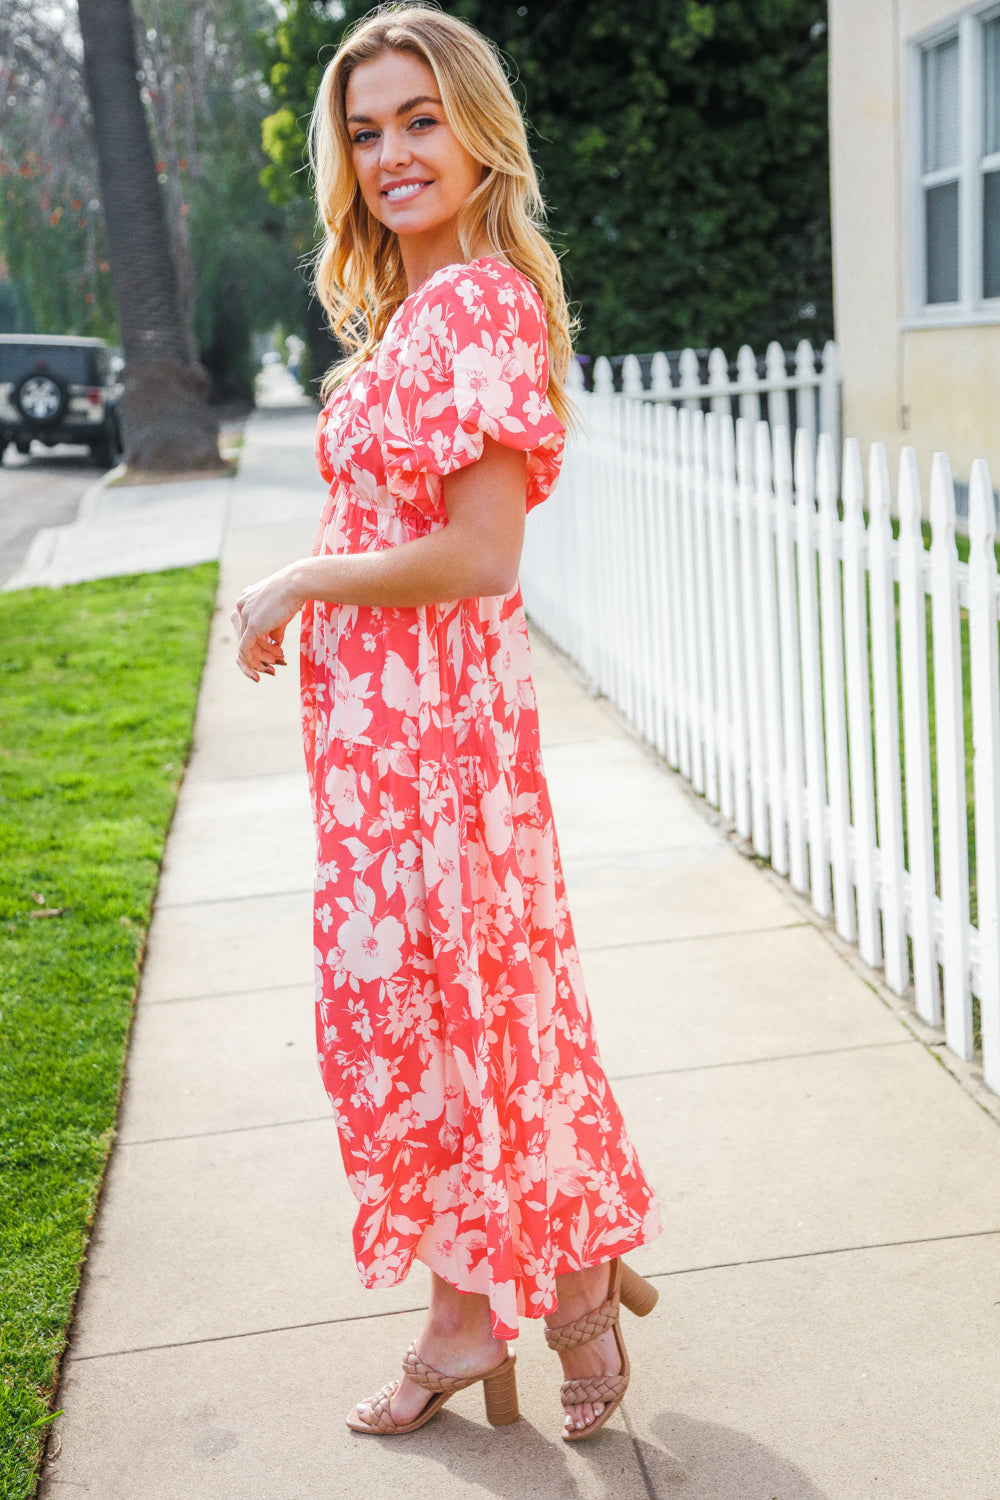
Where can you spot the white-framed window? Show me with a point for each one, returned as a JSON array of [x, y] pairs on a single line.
[[954, 170]]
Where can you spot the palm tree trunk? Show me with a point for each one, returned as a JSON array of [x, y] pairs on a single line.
[[167, 422]]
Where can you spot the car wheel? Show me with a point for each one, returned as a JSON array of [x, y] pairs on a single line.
[[40, 398]]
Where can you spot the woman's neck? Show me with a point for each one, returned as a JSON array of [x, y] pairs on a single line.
[[421, 260]]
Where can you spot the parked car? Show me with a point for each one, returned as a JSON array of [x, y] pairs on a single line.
[[58, 389]]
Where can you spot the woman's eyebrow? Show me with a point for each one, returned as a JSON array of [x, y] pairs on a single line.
[[402, 110]]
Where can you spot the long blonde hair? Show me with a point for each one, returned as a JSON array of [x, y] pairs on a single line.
[[359, 276]]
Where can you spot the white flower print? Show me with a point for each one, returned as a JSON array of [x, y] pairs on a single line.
[[399, 685], [341, 790], [484, 380], [498, 817], [372, 950]]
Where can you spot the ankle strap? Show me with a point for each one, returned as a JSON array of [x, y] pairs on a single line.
[[584, 1329]]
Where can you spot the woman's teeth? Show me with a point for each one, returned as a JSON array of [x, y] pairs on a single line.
[[406, 190]]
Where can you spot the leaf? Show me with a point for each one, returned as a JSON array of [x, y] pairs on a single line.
[[42, 1420], [364, 898], [578, 1231]]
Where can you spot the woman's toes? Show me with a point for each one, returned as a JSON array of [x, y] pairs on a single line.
[[583, 1416]]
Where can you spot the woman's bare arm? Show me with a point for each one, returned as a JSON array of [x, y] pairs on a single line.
[[476, 554]]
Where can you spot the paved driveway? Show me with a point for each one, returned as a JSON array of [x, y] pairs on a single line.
[[43, 488]]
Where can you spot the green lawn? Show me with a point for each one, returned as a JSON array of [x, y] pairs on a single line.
[[98, 684]]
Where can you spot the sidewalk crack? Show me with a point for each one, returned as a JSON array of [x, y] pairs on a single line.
[[250, 1333], [766, 1260]]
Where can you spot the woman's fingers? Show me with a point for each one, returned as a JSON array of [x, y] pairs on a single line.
[[260, 618], [257, 654]]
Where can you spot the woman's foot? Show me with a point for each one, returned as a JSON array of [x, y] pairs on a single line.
[[457, 1339], [580, 1292]]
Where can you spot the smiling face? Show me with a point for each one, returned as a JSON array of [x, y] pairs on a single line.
[[413, 173]]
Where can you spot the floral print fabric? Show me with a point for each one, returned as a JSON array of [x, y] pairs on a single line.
[[476, 1124]]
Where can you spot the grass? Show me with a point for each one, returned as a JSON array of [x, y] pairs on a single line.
[[98, 684]]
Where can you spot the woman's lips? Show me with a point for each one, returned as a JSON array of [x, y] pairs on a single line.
[[402, 192]]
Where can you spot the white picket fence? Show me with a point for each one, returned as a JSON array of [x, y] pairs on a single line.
[[798, 391], [764, 644]]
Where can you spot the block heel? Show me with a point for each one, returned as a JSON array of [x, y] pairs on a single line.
[[500, 1395], [638, 1295]]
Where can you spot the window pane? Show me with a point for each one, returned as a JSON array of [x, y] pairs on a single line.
[[940, 69], [991, 235], [941, 228], [991, 86]]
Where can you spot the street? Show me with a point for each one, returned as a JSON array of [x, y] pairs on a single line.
[[43, 488]]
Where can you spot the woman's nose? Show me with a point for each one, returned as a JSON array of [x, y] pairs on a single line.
[[395, 150]]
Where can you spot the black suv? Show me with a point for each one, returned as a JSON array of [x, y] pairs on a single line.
[[58, 389]]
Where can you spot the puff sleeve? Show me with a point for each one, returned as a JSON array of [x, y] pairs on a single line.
[[470, 359]]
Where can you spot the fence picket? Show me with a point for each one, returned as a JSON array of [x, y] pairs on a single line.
[[689, 583], [777, 396], [746, 374], [631, 376], [675, 533], [788, 634], [949, 735], [659, 375], [983, 610], [720, 623], [832, 651], [718, 379], [734, 629], [829, 394], [859, 709], [916, 741], [759, 817], [690, 382], [633, 559], [806, 405], [885, 690], [647, 676], [767, 605], [812, 676], [706, 672], [660, 596]]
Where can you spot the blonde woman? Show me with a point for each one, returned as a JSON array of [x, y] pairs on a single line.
[[476, 1124]]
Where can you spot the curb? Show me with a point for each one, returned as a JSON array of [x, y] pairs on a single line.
[[88, 500]]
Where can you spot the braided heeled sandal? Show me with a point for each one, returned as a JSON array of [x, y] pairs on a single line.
[[639, 1297], [499, 1392]]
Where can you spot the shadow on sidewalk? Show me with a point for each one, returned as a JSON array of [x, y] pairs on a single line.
[[718, 1463]]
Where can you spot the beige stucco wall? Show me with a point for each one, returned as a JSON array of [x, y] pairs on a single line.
[[934, 388]]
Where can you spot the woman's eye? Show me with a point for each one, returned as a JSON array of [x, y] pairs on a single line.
[[423, 120], [363, 137]]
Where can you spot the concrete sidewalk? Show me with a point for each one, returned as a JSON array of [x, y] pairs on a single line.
[[830, 1268]]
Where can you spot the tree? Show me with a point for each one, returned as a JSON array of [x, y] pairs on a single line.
[[202, 80], [167, 422], [54, 273], [682, 148]]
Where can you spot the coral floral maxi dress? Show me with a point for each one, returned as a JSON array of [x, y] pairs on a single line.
[[476, 1123]]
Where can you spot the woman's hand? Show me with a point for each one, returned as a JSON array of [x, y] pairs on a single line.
[[262, 612]]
